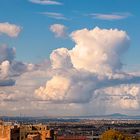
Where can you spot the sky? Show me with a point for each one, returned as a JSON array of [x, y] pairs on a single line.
[[79, 57]]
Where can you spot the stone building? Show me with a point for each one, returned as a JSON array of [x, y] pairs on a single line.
[[25, 132], [9, 132], [40, 131]]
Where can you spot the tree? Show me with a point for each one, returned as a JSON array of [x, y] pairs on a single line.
[[114, 135]]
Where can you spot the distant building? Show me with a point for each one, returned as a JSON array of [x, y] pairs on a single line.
[[25, 132], [9, 132], [40, 131], [71, 138]]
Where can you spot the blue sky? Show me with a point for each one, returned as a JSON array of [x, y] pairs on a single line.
[[73, 55], [36, 42]]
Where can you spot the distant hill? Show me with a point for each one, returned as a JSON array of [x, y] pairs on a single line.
[[68, 118], [116, 115], [109, 116]]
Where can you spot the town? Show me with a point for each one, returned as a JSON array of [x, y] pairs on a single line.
[[83, 129]]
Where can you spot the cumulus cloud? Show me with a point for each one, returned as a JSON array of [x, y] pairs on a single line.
[[123, 97], [87, 79], [46, 2], [11, 30], [99, 50], [79, 67], [87, 72], [9, 67], [5, 80], [55, 90], [6, 53], [112, 16], [4, 69], [6, 57], [69, 87], [60, 58], [59, 30]]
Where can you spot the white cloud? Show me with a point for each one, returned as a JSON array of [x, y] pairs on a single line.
[[5, 80], [10, 68], [54, 90], [6, 53], [123, 97], [60, 58], [46, 2], [88, 79], [11, 30], [99, 50], [68, 86], [6, 57], [112, 16], [54, 15], [4, 69], [59, 30]]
